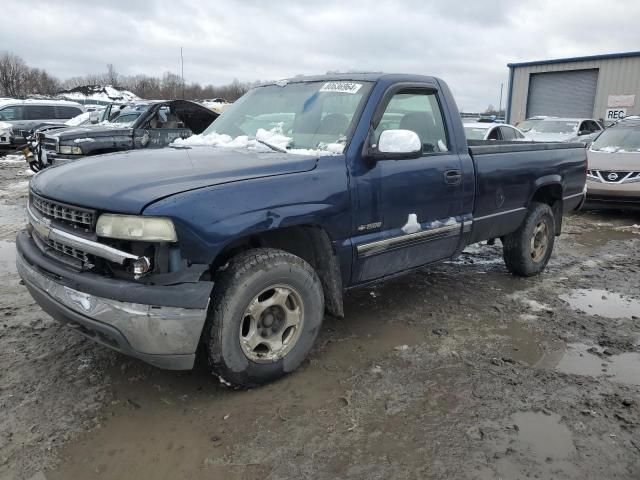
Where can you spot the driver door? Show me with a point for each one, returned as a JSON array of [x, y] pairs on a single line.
[[394, 194]]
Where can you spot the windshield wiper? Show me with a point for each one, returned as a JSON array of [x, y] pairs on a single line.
[[272, 147]]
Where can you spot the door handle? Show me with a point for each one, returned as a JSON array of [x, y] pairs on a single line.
[[452, 177]]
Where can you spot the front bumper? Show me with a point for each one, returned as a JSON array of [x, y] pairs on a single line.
[[613, 196], [160, 325]]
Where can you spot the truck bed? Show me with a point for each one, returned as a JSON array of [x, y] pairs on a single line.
[[509, 173]]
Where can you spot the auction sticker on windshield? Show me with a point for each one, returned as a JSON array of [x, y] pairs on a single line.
[[342, 87]]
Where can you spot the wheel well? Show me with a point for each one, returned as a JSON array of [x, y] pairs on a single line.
[[310, 243], [552, 196]]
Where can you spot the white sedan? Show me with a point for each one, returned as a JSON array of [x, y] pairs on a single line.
[[492, 131]]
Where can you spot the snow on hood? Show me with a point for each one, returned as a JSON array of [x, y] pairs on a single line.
[[5, 126], [273, 137], [602, 160]]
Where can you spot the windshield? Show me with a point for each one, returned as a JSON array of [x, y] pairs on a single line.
[[125, 119], [527, 125], [618, 139], [474, 133], [555, 126], [295, 117], [78, 119]]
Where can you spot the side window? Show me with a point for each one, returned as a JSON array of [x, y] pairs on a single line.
[[518, 135], [494, 134], [40, 112], [418, 111], [507, 133], [9, 114], [593, 126], [67, 112]]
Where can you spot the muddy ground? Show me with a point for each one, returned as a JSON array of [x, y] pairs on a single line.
[[460, 371]]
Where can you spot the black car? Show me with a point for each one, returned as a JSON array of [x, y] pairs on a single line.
[[153, 124]]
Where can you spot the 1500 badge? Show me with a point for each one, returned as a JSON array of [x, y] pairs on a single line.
[[369, 226]]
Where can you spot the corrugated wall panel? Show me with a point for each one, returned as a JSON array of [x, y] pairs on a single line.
[[617, 77]]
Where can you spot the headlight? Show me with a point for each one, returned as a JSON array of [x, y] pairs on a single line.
[[130, 227], [68, 150]]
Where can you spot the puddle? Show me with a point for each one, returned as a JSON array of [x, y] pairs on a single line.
[[576, 359], [599, 237], [531, 445], [7, 257], [602, 303], [544, 435]]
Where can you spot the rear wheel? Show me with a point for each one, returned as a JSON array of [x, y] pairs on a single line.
[[528, 250], [265, 314]]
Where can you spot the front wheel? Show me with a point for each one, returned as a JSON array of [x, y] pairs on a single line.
[[528, 250], [265, 314]]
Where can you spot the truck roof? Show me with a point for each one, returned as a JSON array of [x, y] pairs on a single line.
[[358, 76]]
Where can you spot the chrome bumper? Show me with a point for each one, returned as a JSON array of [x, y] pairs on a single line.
[[163, 336]]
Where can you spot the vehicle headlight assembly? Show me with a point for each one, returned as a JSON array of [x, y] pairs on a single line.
[[132, 227], [69, 150]]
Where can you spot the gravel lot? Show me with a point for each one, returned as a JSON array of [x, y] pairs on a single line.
[[459, 371]]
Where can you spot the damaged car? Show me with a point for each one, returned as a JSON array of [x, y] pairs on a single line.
[[148, 125]]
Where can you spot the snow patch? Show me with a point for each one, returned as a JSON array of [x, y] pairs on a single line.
[[12, 159], [412, 225], [105, 93]]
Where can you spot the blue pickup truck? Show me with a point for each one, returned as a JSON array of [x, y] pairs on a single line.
[[236, 242]]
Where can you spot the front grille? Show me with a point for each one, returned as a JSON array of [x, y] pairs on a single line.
[[71, 251], [614, 176], [71, 215], [49, 144]]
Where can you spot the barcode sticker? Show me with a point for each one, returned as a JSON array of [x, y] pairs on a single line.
[[342, 87]]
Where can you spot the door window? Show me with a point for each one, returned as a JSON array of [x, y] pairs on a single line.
[[65, 113], [40, 112], [418, 111], [507, 133], [494, 134], [12, 113]]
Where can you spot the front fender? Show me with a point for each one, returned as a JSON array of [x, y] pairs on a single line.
[[210, 218]]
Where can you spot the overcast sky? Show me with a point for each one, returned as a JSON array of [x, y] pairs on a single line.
[[468, 43]]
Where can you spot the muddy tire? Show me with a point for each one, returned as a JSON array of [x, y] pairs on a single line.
[[265, 313], [528, 250]]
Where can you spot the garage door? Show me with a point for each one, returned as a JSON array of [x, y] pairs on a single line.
[[562, 94]]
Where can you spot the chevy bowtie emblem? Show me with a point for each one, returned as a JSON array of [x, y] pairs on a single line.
[[612, 176]]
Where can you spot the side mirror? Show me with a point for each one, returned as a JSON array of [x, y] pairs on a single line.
[[94, 117], [583, 132], [398, 145]]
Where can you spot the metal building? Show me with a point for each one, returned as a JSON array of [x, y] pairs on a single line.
[[599, 86]]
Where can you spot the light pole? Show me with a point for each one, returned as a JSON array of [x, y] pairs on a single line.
[[182, 72]]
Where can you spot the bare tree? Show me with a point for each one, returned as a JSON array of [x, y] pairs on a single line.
[[111, 77], [13, 71]]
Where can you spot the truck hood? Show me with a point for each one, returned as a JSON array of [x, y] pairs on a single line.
[[88, 131], [126, 182], [622, 161]]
